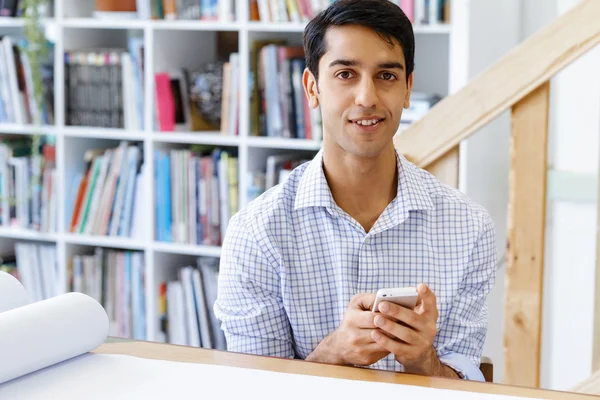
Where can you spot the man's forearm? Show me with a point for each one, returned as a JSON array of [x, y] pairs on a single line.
[[447, 372], [433, 367], [323, 354]]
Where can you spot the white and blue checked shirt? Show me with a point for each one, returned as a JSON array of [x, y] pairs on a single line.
[[292, 260]]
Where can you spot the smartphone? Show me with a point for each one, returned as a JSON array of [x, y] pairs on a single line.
[[405, 297]]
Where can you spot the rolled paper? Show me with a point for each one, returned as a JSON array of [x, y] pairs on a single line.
[[47, 332], [12, 292]]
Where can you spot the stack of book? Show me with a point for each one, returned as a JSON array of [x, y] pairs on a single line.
[[279, 167], [37, 270], [286, 11], [279, 107], [104, 87], [186, 307], [18, 104], [418, 11], [196, 194], [202, 99], [28, 186], [206, 10], [108, 195], [116, 280]]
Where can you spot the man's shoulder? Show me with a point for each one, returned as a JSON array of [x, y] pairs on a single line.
[[275, 204]]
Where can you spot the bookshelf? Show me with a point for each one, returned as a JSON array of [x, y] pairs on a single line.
[[441, 68]]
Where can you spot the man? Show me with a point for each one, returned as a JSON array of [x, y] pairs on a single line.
[[300, 265]]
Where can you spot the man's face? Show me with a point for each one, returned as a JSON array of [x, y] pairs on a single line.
[[362, 90]]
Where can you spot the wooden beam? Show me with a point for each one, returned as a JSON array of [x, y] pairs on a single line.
[[502, 85], [446, 168], [526, 232]]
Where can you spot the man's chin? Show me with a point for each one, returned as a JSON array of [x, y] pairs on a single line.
[[367, 150]]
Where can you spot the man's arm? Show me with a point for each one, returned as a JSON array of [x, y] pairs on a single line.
[[460, 340], [413, 336], [249, 302]]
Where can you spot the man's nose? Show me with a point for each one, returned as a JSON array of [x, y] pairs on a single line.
[[366, 94]]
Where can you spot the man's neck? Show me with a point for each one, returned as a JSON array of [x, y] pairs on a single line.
[[361, 187]]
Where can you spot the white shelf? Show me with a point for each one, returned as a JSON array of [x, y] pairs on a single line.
[[209, 138], [196, 25], [433, 29], [104, 241], [27, 129], [256, 26], [102, 133], [10, 22], [191, 25], [98, 23], [282, 143], [188, 249], [27, 234]]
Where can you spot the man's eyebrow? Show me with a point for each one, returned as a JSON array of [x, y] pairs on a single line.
[[391, 65], [346, 63], [354, 63]]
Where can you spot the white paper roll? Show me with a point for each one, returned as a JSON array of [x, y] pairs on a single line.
[[12, 293], [42, 334]]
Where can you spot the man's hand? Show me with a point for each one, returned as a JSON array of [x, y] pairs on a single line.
[[352, 342], [409, 334]]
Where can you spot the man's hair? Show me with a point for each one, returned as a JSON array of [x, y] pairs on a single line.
[[382, 16]]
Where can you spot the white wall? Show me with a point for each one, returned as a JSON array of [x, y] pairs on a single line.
[[485, 156], [567, 331], [567, 325]]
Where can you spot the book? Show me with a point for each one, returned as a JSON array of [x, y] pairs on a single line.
[[105, 195], [116, 280]]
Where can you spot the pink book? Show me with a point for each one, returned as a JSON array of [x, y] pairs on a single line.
[[408, 6], [165, 104]]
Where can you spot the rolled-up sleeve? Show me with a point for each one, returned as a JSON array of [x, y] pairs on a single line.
[[460, 340], [249, 302]]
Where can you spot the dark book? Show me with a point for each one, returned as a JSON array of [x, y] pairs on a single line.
[[9, 8]]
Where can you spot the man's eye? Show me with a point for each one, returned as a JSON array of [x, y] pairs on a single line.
[[388, 76], [344, 75]]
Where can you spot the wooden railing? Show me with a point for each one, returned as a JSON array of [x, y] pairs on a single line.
[[520, 81]]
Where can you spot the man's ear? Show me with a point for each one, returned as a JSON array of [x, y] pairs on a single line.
[[408, 90], [310, 88]]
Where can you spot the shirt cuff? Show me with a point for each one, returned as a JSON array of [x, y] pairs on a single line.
[[463, 365]]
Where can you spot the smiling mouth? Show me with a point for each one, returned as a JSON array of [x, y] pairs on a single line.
[[367, 122]]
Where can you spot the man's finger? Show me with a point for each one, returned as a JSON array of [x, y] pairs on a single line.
[[362, 301], [426, 304], [397, 331], [393, 346], [402, 315], [362, 319]]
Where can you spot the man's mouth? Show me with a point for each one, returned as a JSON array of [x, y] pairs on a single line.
[[367, 121]]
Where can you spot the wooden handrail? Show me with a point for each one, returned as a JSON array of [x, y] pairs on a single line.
[[501, 86]]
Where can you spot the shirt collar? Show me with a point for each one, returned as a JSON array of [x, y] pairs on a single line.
[[313, 190]]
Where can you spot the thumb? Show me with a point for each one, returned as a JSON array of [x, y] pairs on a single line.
[[362, 301], [426, 303]]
